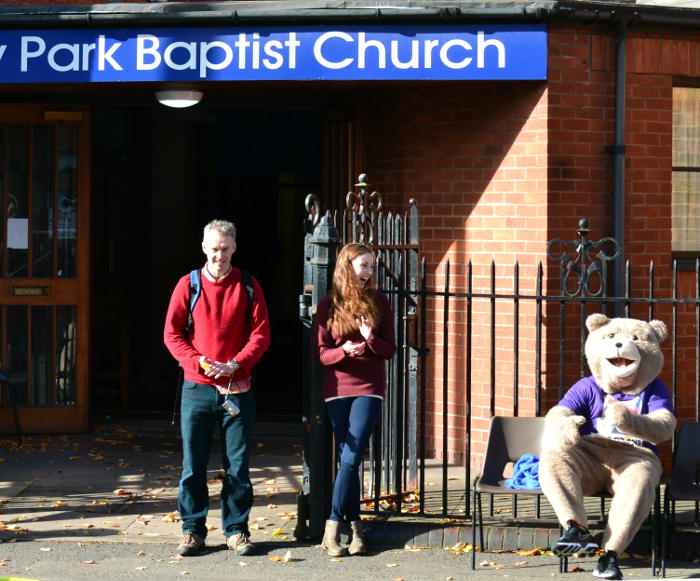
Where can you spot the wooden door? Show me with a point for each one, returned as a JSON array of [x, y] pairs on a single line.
[[44, 266], [343, 153]]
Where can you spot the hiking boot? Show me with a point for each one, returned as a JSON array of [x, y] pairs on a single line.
[[190, 545], [240, 543], [607, 567], [576, 541]]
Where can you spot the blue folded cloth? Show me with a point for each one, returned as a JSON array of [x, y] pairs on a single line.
[[526, 472]]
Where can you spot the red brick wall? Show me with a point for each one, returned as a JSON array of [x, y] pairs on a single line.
[[474, 157], [498, 169]]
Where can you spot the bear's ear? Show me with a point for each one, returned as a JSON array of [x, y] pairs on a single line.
[[596, 321], [659, 328]]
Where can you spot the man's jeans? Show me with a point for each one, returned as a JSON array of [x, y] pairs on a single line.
[[201, 412]]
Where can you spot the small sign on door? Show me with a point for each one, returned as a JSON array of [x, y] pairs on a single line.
[[18, 233]]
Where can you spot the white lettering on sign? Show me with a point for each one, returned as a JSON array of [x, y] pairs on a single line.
[[190, 50], [373, 53], [318, 50], [31, 47], [216, 55], [64, 57], [481, 47], [73, 54], [271, 53]]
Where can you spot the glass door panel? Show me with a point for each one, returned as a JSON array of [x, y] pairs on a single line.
[[43, 201], [17, 203]]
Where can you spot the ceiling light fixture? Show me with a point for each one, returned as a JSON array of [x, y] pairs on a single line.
[[179, 98]]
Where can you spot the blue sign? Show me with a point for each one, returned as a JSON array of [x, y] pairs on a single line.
[[445, 52]]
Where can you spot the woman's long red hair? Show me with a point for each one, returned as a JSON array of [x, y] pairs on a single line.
[[350, 301]]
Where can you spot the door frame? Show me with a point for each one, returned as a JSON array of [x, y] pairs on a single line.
[[59, 418]]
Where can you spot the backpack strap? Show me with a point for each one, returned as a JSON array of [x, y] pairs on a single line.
[[247, 281], [195, 291]]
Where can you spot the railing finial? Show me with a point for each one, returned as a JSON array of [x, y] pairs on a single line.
[[580, 270], [362, 208]]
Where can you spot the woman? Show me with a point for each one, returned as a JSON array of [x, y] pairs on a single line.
[[355, 334]]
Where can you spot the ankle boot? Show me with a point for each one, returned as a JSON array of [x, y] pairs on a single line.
[[357, 545], [330, 539]]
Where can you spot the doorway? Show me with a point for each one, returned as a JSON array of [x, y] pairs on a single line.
[[159, 176], [44, 265]]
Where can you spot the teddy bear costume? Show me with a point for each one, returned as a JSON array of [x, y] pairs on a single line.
[[602, 435]]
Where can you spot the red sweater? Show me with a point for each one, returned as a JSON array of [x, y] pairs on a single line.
[[221, 328], [345, 376]]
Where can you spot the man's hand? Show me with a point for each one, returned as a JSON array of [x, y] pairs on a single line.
[[216, 369]]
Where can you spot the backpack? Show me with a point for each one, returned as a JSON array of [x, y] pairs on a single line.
[[196, 290]]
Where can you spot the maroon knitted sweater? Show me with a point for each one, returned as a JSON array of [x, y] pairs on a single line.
[[345, 376]]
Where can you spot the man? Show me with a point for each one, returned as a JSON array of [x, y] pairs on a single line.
[[226, 338]]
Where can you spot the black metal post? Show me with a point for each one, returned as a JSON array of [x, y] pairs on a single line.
[[315, 497]]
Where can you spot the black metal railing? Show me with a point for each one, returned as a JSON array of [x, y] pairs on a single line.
[[554, 324], [474, 341]]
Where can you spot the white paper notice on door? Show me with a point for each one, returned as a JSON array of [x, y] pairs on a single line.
[[18, 233]]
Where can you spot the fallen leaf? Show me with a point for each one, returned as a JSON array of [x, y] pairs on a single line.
[[576, 569], [242, 564], [140, 553], [520, 563], [90, 562], [44, 548], [530, 553], [288, 557], [392, 564], [276, 532], [170, 517], [336, 560], [141, 568], [276, 558]]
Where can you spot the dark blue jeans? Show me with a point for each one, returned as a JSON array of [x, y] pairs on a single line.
[[352, 420], [201, 413]]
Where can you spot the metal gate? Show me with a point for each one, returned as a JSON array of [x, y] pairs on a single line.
[[391, 467]]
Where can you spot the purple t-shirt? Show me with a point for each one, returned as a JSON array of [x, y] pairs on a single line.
[[586, 398]]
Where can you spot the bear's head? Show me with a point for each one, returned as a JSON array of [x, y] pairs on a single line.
[[624, 354]]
